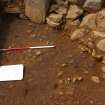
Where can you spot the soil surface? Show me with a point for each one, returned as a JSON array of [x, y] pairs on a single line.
[[49, 74]]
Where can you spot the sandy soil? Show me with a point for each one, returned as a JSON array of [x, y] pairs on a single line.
[[49, 77]]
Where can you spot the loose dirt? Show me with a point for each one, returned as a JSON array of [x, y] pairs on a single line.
[[57, 76]]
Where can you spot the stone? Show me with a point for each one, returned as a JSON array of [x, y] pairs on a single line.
[[71, 25], [54, 20], [103, 69], [36, 10], [79, 33], [89, 20], [101, 45], [91, 102], [75, 22], [64, 65], [99, 34], [74, 12], [95, 79], [60, 74], [77, 79], [100, 20], [22, 16], [38, 53], [61, 93], [61, 10], [92, 5]]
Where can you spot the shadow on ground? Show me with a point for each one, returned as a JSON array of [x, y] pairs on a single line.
[[6, 20]]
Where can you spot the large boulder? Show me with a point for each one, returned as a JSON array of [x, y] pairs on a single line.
[[36, 10], [93, 5]]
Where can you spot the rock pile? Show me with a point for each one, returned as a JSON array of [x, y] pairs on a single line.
[[77, 9], [89, 18]]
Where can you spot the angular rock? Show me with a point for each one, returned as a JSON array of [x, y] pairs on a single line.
[[93, 5], [36, 10], [79, 33], [100, 20], [54, 20], [74, 12], [101, 45], [89, 20]]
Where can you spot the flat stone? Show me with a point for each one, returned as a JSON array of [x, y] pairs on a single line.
[[89, 20], [93, 5], [61, 10], [101, 45], [74, 12]]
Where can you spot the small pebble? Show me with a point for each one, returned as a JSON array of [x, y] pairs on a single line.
[[76, 79], [60, 81], [47, 42], [61, 93], [33, 35], [91, 102], [30, 24], [60, 74], [85, 72], [68, 79], [29, 31], [38, 53], [64, 65], [95, 79]]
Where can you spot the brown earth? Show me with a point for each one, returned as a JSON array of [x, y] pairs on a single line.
[[43, 84]]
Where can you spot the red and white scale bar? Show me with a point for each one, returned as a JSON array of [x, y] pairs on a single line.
[[26, 48]]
